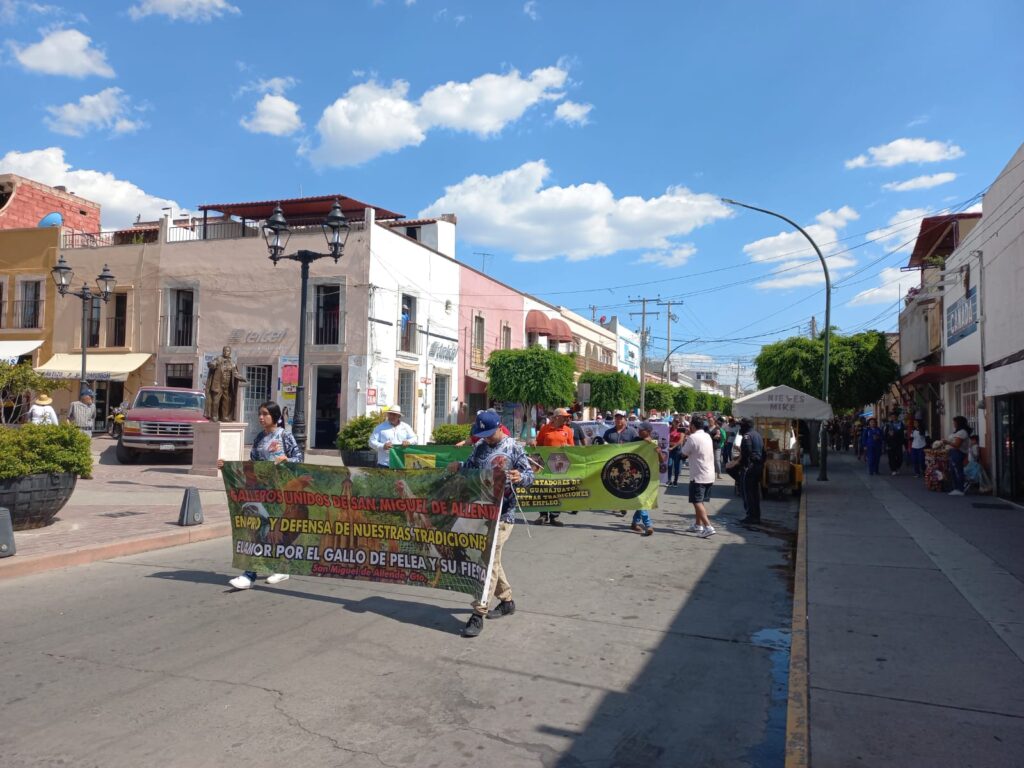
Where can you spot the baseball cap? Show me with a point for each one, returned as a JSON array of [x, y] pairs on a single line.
[[562, 412], [620, 413], [486, 424], [85, 392]]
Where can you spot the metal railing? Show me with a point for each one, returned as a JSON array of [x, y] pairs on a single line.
[[325, 327], [114, 237], [117, 331], [232, 230], [410, 340], [28, 313], [178, 330], [477, 356]]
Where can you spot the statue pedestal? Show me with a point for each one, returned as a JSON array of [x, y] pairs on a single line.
[[214, 440]]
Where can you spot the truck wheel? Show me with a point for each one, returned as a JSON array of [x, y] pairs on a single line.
[[125, 455]]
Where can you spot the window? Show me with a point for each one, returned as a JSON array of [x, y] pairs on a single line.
[[179, 375], [506, 336], [965, 398], [117, 323], [327, 320], [28, 311], [413, 232], [406, 393], [442, 397], [477, 360], [408, 331], [607, 357], [182, 327], [92, 324]]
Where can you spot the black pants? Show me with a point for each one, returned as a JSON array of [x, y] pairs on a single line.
[[752, 490], [895, 458]]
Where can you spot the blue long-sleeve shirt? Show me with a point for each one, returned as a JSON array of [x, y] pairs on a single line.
[[267, 447], [512, 456]]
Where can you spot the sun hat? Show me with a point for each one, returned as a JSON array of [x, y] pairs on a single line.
[[486, 424], [44, 399], [393, 410]]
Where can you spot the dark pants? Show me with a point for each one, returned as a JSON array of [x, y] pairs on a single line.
[[895, 458], [917, 457], [956, 468], [675, 461], [752, 491], [874, 455]]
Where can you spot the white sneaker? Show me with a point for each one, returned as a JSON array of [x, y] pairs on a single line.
[[709, 531], [695, 528], [241, 582], [956, 493], [277, 578]]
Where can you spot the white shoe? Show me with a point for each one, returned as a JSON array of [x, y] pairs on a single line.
[[277, 578], [956, 493], [695, 528], [241, 582], [709, 531]]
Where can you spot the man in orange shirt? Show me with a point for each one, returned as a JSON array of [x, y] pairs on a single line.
[[556, 434]]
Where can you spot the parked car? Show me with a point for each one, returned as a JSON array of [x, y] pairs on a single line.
[[161, 419]]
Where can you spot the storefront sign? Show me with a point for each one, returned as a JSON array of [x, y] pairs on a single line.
[[371, 396], [441, 351], [962, 317], [249, 336]]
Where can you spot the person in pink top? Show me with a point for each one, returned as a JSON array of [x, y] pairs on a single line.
[[699, 450]]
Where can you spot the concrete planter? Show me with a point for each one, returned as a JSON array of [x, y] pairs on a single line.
[[359, 458], [34, 500]]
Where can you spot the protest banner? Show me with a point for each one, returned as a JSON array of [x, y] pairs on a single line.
[[428, 528], [566, 479]]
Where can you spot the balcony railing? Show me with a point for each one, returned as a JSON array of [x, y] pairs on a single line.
[[477, 357], [178, 330], [113, 237], [117, 331], [410, 340], [326, 328], [28, 313], [231, 230], [584, 364]]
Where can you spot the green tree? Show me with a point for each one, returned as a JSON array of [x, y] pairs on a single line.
[[860, 367], [727, 406], [17, 384], [701, 401], [714, 403], [684, 399], [534, 376], [611, 391], [658, 396]]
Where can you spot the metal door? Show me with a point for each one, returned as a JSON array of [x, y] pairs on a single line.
[[256, 392]]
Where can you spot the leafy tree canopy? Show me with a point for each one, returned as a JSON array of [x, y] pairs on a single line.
[[531, 376], [659, 396], [684, 399], [860, 367], [611, 391], [17, 383]]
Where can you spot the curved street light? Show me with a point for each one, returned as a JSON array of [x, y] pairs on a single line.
[[62, 275], [822, 438]]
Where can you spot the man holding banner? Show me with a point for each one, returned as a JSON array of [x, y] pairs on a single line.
[[500, 453]]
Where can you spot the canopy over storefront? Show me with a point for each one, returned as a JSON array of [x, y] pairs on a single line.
[[781, 402], [99, 367], [537, 322], [559, 330], [11, 351], [938, 374]]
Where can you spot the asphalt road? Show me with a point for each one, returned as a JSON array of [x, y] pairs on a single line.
[[625, 651]]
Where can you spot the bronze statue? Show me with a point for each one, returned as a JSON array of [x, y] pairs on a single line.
[[222, 387]]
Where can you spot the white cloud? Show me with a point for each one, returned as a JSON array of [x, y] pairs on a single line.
[[795, 260], [183, 10], [920, 182], [893, 284], [275, 85], [275, 115], [371, 119], [514, 210], [15, 11], [673, 258], [120, 200], [64, 52], [903, 151], [573, 113], [530, 9], [109, 109], [900, 233]]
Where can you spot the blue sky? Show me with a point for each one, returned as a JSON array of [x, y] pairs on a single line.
[[584, 145]]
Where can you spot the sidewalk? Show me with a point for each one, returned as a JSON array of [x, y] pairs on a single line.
[[124, 510], [915, 623]]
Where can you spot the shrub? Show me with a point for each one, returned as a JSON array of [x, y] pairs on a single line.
[[450, 434], [355, 435], [34, 449]]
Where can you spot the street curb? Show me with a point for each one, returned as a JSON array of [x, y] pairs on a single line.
[[798, 747], [15, 567]]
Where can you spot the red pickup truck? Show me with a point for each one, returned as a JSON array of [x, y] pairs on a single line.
[[161, 419]]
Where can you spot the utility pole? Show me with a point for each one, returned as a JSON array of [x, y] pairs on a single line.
[[737, 377], [643, 344], [668, 332], [593, 313], [814, 327]]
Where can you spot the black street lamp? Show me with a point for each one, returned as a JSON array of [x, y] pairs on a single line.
[[62, 275], [822, 435], [276, 233]]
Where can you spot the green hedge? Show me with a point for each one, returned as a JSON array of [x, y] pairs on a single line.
[[355, 435], [34, 449], [450, 434]]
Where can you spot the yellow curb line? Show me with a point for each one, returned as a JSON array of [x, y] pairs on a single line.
[[15, 567], [798, 746]]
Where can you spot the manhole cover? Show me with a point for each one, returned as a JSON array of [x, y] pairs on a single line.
[[120, 514], [991, 506]]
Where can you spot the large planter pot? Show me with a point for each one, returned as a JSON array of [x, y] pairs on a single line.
[[34, 500], [359, 458]]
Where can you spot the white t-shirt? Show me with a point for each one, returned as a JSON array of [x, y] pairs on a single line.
[[700, 451], [42, 414], [917, 440], [964, 438], [385, 433]]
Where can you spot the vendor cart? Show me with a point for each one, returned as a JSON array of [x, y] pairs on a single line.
[[775, 412]]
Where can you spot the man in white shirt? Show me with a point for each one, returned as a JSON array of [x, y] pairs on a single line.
[[699, 449], [394, 431]]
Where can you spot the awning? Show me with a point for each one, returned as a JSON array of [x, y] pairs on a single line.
[[937, 374], [10, 351], [537, 322], [100, 367], [559, 330], [476, 383], [783, 402]]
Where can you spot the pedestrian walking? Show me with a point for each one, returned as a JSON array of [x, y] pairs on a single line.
[[389, 433], [620, 432], [492, 445], [918, 442], [675, 451], [642, 517], [42, 411], [555, 434], [700, 452], [871, 443], [83, 412], [895, 442]]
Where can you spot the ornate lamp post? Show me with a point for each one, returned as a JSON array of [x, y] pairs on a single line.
[[822, 435], [62, 275], [276, 233]]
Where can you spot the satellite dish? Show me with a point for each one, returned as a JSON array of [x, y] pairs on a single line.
[[53, 219]]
